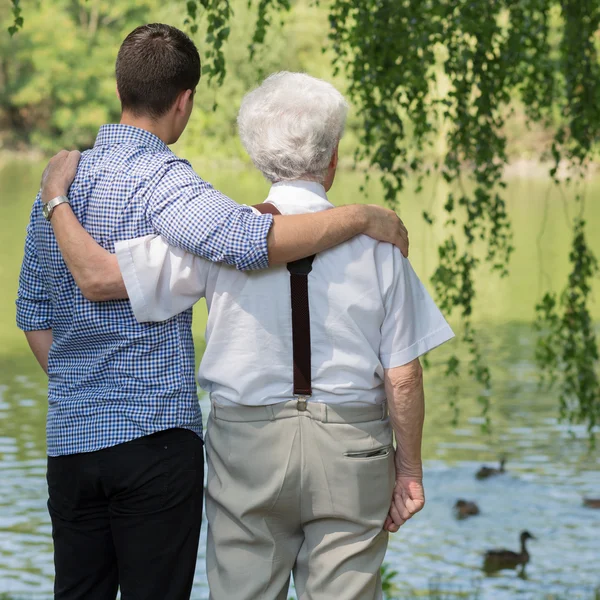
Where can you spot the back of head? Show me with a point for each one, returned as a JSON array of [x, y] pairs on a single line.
[[156, 62], [290, 126]]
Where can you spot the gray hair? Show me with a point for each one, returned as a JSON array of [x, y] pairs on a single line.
[[290, 126]]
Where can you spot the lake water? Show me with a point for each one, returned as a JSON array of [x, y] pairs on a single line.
[[549, 465]]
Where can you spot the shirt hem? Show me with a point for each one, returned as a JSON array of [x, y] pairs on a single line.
[[424, 345], [53, 452]]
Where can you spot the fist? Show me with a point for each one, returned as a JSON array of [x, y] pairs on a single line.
[[408, 499]]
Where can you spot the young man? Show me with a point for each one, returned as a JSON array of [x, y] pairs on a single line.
[[125, 460], [302, 475]]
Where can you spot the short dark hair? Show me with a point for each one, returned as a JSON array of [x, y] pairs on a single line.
[[156, 62]]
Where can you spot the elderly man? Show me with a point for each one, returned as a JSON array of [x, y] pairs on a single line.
[[302, 365]]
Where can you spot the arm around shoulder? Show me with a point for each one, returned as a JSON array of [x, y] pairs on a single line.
[[95, 270], [296, 236]]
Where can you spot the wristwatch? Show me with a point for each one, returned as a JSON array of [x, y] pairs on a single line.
[[49, 207]]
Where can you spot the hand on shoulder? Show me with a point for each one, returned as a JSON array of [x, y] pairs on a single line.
[[59, 174], [384, 225]]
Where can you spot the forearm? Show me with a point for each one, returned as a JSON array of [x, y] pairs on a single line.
[[95, 270], [297, 236], [406, 403], [40, 342]]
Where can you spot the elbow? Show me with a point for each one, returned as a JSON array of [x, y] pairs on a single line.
[[95, 287], [408, 377]]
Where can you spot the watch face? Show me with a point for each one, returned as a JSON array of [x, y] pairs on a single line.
[[45, 211]]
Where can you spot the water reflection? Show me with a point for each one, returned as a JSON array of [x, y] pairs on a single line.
[[549, 467], [548, 472]]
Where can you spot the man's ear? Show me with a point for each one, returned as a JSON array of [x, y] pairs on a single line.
[[334, 157], [118, 95], [183, 100]]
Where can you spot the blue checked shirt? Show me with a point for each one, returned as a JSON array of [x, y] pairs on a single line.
[[112, 379]]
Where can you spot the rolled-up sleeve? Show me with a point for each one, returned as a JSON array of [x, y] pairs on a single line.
[[190, 214], [413, 324], [34, 308]]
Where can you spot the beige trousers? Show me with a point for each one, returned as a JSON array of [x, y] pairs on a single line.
[[297, 487]]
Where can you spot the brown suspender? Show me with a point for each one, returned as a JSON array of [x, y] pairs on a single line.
[[299, 270], [267, 209]]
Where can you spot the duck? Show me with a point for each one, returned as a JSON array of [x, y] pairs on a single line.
[[495, 560], [485, 471], [465, 508], [591, 502]]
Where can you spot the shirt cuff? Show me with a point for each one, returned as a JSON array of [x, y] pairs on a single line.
[[257, 256], [33, 316], [132, 283], [424, 345]]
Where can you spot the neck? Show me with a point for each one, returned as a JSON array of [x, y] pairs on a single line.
[[523, 549], [157, 127]]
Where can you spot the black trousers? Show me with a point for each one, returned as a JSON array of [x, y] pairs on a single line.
[[128, 516]]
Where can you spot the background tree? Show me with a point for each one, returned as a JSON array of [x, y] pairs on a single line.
[[421, 71]]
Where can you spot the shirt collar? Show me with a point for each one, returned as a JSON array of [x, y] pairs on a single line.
[[297, 197], [114, 134]]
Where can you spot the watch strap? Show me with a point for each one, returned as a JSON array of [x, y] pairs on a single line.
[[52, 204]]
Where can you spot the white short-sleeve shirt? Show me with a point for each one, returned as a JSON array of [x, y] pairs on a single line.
[[368, 311]]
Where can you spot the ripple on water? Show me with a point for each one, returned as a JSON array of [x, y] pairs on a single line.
[[565, 555], [549, 472]]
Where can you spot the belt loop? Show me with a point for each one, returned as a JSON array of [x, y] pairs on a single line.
[[214, 409], [325, 412], [384, 410], [271, 412]]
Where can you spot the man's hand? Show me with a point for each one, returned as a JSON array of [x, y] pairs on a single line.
[[408, 499], [384, 225], [59, 174]]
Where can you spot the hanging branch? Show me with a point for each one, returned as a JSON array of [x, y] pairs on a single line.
[[218, 14], [17, 18]]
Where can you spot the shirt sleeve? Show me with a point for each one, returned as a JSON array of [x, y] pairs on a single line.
[[34, 308], [190, 214], [161, 280], [413, 324]]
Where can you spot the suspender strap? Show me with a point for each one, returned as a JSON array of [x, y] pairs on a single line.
[[267, 209], [299, 271]]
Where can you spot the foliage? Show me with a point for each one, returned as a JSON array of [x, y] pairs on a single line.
[[388, 575], [418, 71], [568, 352], [17, 18], [214, 132], [218, 14], [56, 90], [418, 68], [57, 74]]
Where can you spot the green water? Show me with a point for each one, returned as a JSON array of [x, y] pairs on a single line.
[[549, 467]]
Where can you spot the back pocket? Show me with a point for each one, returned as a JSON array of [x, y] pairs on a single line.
[[370, 453]]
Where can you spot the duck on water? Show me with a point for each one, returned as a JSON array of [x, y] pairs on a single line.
[[464, 509], [485, 471], [496, 560]]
